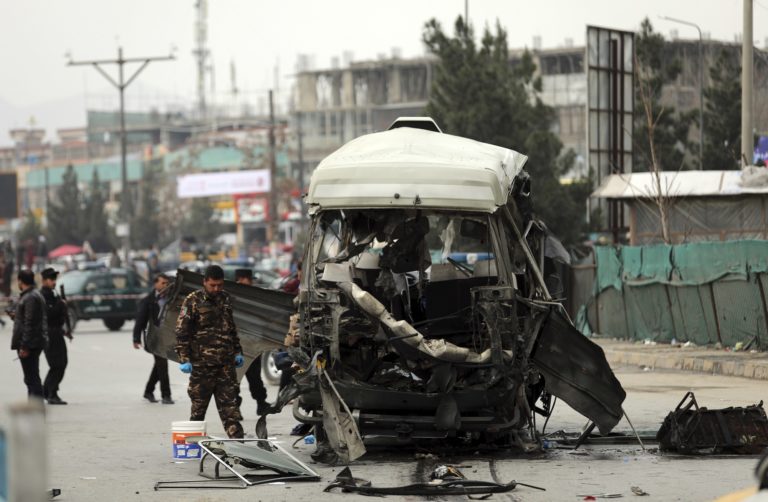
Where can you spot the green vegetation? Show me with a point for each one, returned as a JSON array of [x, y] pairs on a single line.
[[654, 69], [722, 114], [478, 94]]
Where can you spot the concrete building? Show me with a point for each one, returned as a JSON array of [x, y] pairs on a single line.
[[338, 104]]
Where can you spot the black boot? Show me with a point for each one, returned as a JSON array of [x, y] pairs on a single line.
[[149, 396], [55, 399], [263, 407]]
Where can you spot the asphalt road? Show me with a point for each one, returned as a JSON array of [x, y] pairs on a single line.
[[110, 444]]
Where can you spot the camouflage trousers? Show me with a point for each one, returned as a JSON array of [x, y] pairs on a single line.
[[221, 383]]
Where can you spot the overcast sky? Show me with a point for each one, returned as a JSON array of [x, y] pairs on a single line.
[[259, 35]]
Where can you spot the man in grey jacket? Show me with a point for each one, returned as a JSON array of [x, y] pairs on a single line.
[[30, 332]]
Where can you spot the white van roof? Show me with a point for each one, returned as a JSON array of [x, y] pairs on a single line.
[[407, 167]]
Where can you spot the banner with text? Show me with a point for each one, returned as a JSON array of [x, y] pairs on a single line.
[[229, 183]]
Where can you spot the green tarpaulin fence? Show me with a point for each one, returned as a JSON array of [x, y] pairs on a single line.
[[706, 292]]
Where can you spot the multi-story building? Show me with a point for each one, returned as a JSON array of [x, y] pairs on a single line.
[[335, 105]]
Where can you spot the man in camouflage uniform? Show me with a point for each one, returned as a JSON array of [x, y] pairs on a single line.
[[209, 349]]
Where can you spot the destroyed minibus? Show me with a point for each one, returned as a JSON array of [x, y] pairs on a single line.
[[427, 306]]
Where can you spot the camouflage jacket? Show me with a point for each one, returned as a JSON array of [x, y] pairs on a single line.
[[205, 330]]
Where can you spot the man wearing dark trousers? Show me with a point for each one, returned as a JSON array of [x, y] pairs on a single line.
[[149, 311], [56, 352], [253, 373], [30, 332]]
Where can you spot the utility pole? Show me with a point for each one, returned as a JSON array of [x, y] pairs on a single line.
[[747, 140], [120, 85], [300, 133], [701, 86], [201, 54], [47, 194], [273, 216]]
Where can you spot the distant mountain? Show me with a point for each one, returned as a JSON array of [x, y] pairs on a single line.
[[51, 115]]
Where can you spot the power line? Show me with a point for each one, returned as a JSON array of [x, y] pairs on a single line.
[[120, 84]]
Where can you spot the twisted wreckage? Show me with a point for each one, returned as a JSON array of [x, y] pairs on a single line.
[[428, 306]]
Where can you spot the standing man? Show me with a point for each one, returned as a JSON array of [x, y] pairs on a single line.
[[56, 352], [253, 374], [149, 311], [30, 332], [209, 349]]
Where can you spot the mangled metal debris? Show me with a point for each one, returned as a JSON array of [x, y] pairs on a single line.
[[261, 316], [426, 294], [690, 429], [439, 487], [426, 306], [246, 462]]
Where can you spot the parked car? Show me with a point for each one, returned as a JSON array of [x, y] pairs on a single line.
[[108, 294]]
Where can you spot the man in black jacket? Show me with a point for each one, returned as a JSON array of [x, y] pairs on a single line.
[[149, 311], [56, 352], [30, 332]]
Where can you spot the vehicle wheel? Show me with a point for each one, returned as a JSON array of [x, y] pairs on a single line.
[[114, 324], [268, 367], [72, 314]]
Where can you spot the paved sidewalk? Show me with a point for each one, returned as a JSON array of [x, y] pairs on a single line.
[[676, 357]]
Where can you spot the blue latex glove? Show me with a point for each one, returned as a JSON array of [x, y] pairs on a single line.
[[186, 368], [239, 361]]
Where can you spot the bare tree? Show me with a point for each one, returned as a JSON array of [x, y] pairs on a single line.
[[659, 195]]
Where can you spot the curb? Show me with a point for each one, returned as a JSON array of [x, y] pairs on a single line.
[[713, 362]]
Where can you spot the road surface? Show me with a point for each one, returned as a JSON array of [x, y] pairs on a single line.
[[110, 444]]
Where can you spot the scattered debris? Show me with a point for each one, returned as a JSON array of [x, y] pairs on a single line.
[[350, 484], [639, 491], [693, 430], [425, 456], [446, 472], [601, 496], [253, 457]]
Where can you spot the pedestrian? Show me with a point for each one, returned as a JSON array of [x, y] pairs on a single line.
[[30, 333], [42, 251], [56, 352], [29, 253], [149, 310], [253, 373], [291, 285], [209, 349], [114, 259], [288, 368], [8, 269]]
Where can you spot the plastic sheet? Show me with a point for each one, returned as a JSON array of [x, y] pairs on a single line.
[[704, 292]]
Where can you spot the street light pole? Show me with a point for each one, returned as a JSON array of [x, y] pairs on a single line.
[[121, 84], [701, 86], [747, 81]]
